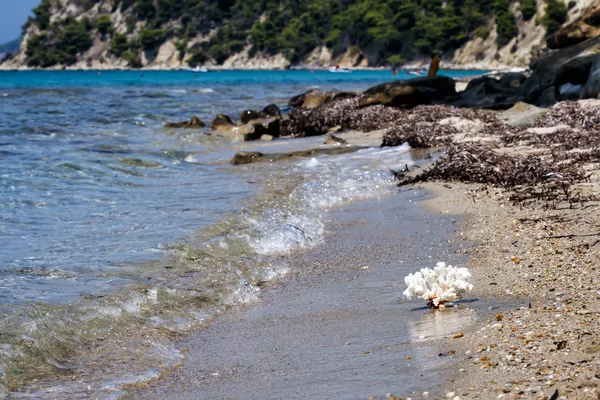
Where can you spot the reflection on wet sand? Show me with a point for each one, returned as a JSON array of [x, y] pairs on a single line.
[[437, 324]]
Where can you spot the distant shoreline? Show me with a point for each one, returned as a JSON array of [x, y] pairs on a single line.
[[300, 68]]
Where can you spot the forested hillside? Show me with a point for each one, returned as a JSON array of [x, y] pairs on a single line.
[[385, 32]]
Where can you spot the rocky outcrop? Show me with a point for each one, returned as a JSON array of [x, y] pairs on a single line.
[[592, 86], [562, 74], [490, 93]]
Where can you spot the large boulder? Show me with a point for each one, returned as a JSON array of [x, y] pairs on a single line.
[[410, 93], [513, 80], [548, 97], [571, 64], [402, 96], [592, 86], [490, 93], [532, 89], [194, 122]]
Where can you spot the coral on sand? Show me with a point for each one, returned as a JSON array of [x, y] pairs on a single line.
[[439, 285]]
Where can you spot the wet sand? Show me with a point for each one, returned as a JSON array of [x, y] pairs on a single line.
[[337, 326]]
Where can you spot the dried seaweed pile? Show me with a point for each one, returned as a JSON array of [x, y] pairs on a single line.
[[343, 113], [574, 114], [569, 125], [419, 135], [531, 178], [421, 128]]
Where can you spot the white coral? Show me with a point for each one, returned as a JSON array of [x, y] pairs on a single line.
[[438, 285]]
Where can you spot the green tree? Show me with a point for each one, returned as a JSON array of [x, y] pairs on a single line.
[[119, 44], [145, 9], [60, 44], [149, 39], [528, 8], [104, 25], [506, 23], [42, 14], [555, 15]]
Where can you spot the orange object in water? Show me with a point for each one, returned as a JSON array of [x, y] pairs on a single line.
[[434, 66]]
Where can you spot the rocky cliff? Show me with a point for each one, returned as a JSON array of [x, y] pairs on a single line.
[[171, 34]]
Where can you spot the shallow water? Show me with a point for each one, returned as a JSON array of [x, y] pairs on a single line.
[[116, 233]]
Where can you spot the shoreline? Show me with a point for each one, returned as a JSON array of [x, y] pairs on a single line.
[[451, 67], [336, 325]]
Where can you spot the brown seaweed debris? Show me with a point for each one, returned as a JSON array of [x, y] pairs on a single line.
[[575, 114], [530, 177], [569, 125], [342, 113], [418, 135], [421, 128]]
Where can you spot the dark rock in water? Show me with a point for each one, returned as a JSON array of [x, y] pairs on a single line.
[[244, 157], [221, 120], [334, 140], [253, 130], [592, 86], [249, 115], [547, 98], [267, 126], [410, 93], [271, 111], [194, 122], [512, 80]]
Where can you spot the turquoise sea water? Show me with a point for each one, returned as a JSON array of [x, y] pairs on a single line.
[[112, 226], [358, 78]]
